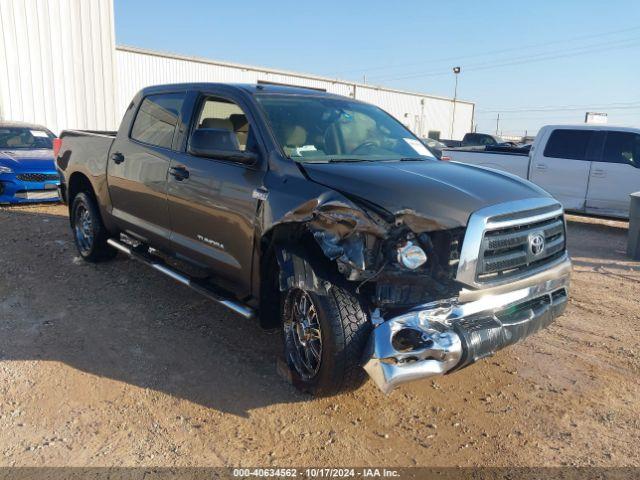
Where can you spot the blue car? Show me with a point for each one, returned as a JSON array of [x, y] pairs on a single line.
[[27, 167]]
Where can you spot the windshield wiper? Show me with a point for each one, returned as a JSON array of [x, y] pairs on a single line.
[[412, 159], [328, 160], [338, 160]]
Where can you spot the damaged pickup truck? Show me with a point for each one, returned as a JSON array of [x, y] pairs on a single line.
[[326, 218]]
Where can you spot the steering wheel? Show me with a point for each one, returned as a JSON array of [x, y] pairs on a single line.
[[368, 143]]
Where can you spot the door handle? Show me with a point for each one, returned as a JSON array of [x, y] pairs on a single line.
[[117, 158], [598, 173], [179, 173], [541, 166]]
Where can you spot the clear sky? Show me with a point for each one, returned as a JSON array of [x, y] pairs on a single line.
[[535, 63]]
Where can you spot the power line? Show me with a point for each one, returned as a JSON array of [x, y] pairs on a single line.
[[488, 53], [531, 58], [564, 108], [545, 118], [535, 107], [606, 46]]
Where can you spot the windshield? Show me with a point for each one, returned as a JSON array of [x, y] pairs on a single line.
[[25, 138], [316, 129]]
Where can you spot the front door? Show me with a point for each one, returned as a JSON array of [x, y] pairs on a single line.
[[562, 169], [615, 176], [211, 201], [138, 166]]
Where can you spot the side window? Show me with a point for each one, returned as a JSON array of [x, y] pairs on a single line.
[[225, 115], [571, 144], [622, 147], [156, 120]]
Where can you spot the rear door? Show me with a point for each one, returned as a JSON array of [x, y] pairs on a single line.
[[615, 175], [562, 169], [138, 166], [211, 201]]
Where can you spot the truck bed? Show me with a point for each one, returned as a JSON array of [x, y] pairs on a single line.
[[89, 146], [514, 160], [86, 151]]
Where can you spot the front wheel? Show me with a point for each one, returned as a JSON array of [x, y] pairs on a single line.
[[89, 233], [324, 339]]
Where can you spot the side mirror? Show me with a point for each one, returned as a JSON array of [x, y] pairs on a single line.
[[221, 144]]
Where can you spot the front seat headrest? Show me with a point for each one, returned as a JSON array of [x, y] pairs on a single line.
[[239, 122], [296, 136], [219, 123]]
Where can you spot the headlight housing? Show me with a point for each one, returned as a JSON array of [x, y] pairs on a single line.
[[411, 256], [4, 169]]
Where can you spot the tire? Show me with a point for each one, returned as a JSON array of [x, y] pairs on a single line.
[[344, 331], [89, 233]]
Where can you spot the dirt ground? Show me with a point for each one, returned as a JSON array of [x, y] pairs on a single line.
[[117, 365]]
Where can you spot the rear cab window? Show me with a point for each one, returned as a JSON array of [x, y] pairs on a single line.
[[622, 147], [568, 144], [156, 120]]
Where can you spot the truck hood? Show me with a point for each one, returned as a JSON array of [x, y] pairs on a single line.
[[447, 193], [33, 161]]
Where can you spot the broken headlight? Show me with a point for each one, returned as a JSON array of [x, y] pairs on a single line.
[[411, 256]]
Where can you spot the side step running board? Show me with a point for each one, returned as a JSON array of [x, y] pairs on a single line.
[[161, 267]]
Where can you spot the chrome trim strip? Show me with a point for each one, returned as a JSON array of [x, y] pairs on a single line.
[[239, 309], [481, 221], [171, 274], [548, 273], [243, 310], [118, 246]]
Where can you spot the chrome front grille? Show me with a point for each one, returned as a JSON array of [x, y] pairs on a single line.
[[509, 251], [512, 240], [37, 177]]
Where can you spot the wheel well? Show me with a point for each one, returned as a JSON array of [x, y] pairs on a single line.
[[293, 237], [79, 183]]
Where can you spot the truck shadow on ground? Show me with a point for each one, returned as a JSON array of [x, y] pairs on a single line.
[[123, 321]]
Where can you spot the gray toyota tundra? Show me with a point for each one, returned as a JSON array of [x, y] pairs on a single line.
[[324, 217]]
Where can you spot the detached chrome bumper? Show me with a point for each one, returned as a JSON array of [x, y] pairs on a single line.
[[443, 336]]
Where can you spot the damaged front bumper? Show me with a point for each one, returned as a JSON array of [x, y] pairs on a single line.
[[443, 336]]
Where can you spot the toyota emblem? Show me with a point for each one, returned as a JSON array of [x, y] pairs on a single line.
[[536, 244]]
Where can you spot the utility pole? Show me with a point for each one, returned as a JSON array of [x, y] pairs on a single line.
[[497, 124], [456, 71]]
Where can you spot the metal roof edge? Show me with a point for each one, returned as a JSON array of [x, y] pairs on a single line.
[[127, 48]]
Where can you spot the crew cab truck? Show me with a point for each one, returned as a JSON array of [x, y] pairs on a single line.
[[589, 168], [326, 218]]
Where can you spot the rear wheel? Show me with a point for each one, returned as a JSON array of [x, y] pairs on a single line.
[[89, 233], [324, 339]]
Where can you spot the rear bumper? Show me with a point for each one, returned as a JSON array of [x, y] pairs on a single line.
[[16, 191], [445, 336]]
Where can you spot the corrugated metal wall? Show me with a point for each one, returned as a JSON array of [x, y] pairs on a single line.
[[58, 77], [421, 113], [137, 69], [75, 77]]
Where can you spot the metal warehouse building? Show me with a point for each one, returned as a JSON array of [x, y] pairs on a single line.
[[77, 78]]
